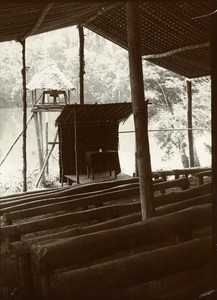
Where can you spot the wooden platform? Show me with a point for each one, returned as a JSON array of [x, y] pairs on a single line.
[[83, 178]]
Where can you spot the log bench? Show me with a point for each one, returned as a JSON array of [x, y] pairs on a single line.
[[182, 285], [50, 255], [104, 243], [200, 175], [86, 188], [128, 271], [83, 217], [69, 203], [188, 171], [120, 221]]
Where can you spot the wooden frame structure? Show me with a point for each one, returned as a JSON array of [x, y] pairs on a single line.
[[176, 35], [89, 128]]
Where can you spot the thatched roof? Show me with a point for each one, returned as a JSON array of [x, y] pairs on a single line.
[[174, 35], [50, 78]]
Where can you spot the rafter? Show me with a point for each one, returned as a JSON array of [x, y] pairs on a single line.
[[178, 50], [39, 21]]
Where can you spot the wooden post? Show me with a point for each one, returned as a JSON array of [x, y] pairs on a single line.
[[81, 55], [76, 148], [214, 141], [46, 125], [189, 123], [25, 276], [139, 110], [41, 131], [40, 153], [23, 43]]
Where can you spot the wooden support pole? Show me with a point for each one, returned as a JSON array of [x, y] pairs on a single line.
[[41, 131], [214, 141], [131, 270], [23, 43], [47, 151], [81, 56], [37, 130], [104, 243], [189, 123], [139, 110], [76, 149]]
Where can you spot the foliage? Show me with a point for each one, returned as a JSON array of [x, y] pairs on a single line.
[[168, 111], [107, 80]]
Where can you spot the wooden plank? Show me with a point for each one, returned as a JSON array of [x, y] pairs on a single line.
[[87, 248], [170, 208], [100, 214], [199, 176], [8, 207], [30, 209], [131, 270], [188, 171], [121, 221], [173, 197], [74, 190], [183, 285]]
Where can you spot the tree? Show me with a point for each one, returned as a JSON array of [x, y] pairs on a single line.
[[168, 111]]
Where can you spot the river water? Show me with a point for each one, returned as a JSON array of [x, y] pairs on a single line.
[[11, 127]]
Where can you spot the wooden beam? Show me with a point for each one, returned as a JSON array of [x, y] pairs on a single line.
[[38, 22], [140, 111], [86, 248], [175, 51], [189, 122], [131, 270], [23, 43], [214, 140], [70, 203], [118, 222]]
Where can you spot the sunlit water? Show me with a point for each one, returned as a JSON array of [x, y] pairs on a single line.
[[11, 127]]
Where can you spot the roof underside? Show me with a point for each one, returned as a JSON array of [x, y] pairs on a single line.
[[173, 36], [95, 114]]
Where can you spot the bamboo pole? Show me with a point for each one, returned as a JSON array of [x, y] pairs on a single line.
[[214, 141], [189, 125], [37, 129], [76, 148], [47, 151], [139, 110], [23, 43], [81, 56]]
